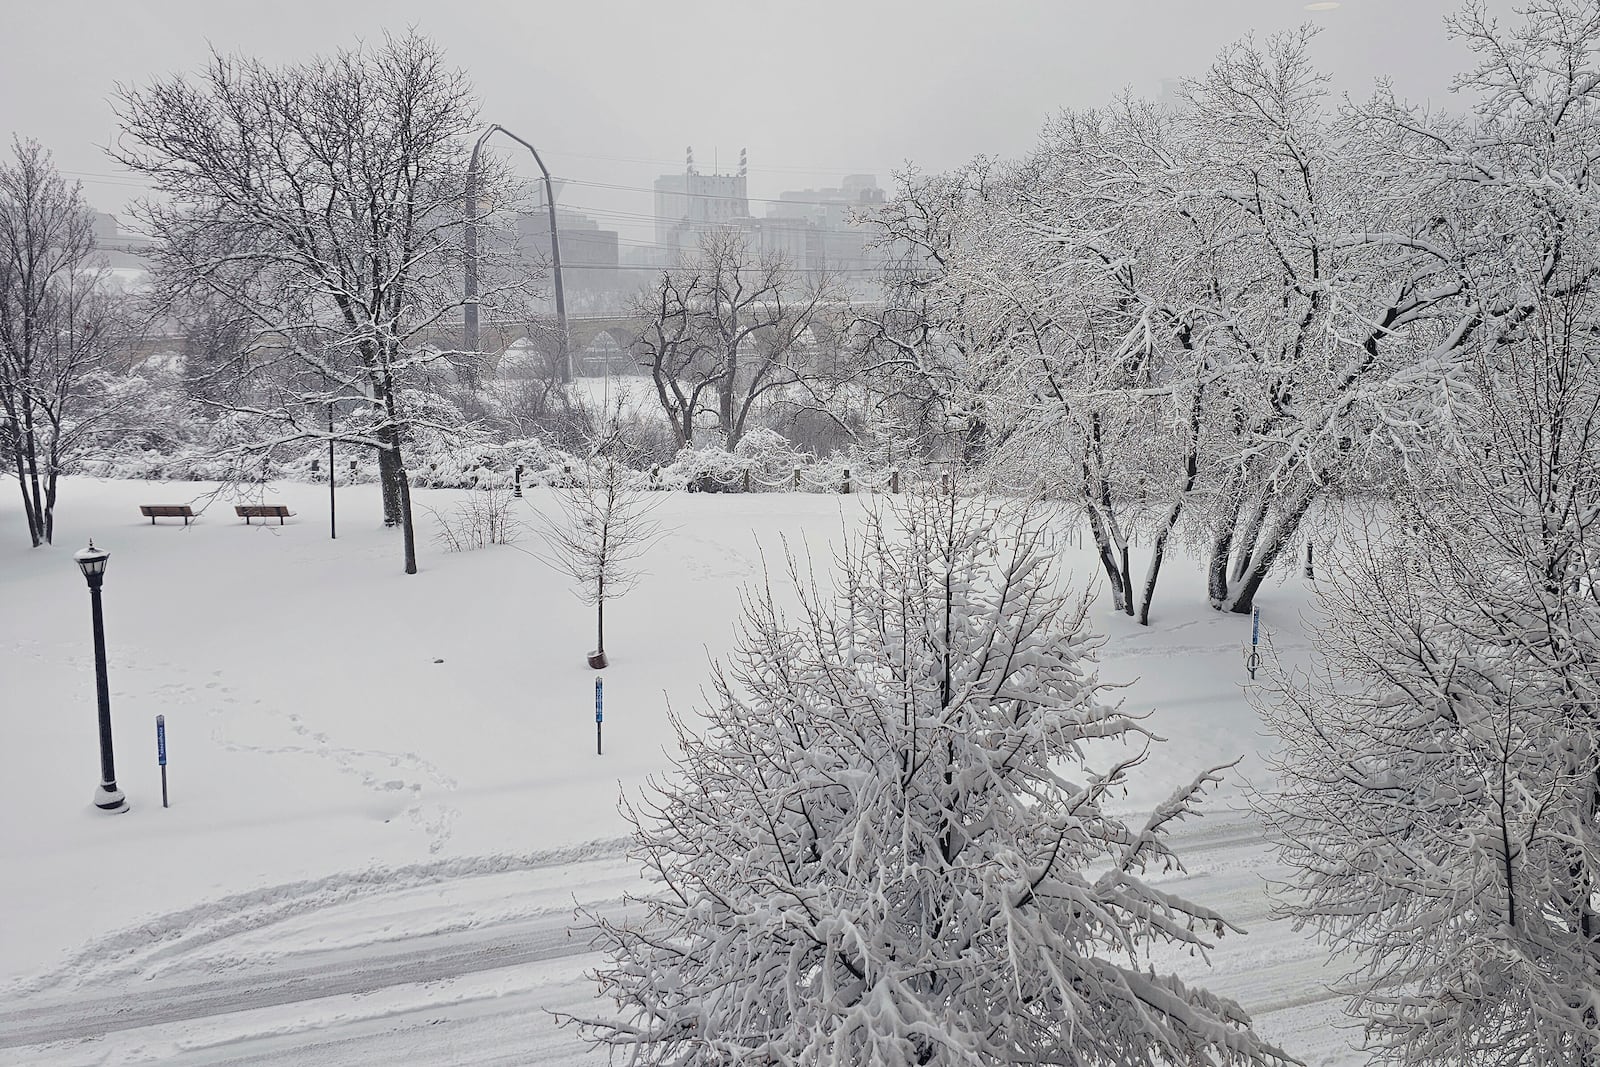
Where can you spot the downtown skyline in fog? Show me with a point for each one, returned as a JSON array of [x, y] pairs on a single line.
[[613, 93]]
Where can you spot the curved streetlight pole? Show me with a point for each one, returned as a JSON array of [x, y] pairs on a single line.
[[469, 339]]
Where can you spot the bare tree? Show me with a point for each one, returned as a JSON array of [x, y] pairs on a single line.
[[605, 525], [321, 202], [728, 327], [56, 327]]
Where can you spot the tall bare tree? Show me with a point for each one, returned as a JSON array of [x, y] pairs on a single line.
[[55, 328], [729, 327], [322, 201]]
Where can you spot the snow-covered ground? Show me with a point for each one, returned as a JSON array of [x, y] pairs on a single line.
[[385, 793]]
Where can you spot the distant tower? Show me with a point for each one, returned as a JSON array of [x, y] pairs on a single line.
[[688, 163], [744, 164]]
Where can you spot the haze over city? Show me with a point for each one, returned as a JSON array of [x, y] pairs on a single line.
[[613, 92]]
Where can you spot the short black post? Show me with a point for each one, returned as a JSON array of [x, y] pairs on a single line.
[[1311, 571], [333, 477], [516, 489], [894, 480], [846, 487]]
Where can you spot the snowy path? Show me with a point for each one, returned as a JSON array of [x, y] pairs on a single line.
[[296, 970], [465, 964]]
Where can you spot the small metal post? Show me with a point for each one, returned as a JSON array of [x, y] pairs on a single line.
[[894, 480], [1311, 572], [747, 481], [846, 487], [333, 478], [599, 700], [1254, 662], [797, 479], [161, 754], [517, 489]]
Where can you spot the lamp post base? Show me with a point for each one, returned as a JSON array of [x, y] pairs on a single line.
[[110, 799]]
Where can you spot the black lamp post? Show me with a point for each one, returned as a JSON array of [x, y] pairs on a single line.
[[107, 797]]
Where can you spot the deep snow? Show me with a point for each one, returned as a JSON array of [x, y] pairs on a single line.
[[372, 852]]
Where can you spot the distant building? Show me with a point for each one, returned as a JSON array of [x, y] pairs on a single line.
[[689, 204], [122, 250], [811, 228], [589, 260], [818, 229]]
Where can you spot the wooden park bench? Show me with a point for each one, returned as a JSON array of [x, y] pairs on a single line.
[[166, 511], [262, 511]]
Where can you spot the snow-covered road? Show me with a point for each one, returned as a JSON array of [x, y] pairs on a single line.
[[465, 963]]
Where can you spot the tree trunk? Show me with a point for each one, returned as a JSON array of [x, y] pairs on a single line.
[[1108, 560], [407, 526], [32, 493], [1158, 552], [389, 474], [1247, 543], [27, 502], [1242, 598], [1127, 579]]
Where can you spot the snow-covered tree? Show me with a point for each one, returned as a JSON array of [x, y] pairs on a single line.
[[1440, 780], [885, 844], [57, 326], [320, 203]]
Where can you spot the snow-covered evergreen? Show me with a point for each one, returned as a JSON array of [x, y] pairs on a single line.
[[886, 844]]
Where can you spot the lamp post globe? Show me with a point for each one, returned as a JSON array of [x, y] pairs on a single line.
[[107, 797]]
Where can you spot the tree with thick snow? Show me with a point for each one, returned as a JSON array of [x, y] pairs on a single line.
[[1439, 781], [886, 842]]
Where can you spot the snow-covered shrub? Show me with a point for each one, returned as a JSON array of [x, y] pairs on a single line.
[[885, 845], [481, 520], [710, 469]]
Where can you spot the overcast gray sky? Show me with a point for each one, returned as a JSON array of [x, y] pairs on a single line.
[[612, 91]]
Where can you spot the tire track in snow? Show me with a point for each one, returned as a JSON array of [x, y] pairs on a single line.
[[131, 951]]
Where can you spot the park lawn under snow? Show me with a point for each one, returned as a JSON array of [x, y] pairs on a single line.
[[376, 771]]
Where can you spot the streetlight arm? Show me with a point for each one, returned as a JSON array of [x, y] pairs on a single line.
[[470, 295]]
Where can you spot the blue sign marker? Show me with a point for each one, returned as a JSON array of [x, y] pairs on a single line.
[[599, 699], [1254, 663], [161, 754]]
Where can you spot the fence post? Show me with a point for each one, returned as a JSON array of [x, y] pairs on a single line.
[[747, 480], [846, 488], [797, 479], [944, 481], [1311, 573], [894, 479]]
